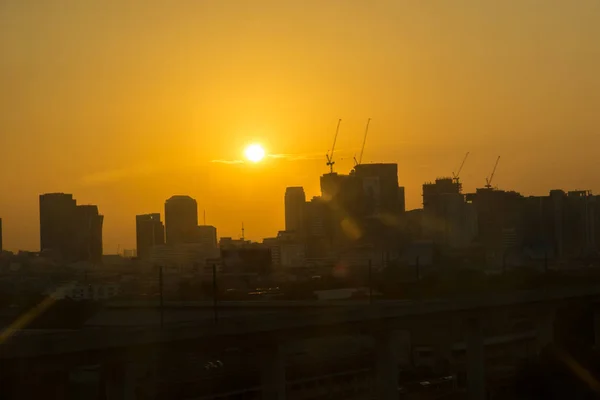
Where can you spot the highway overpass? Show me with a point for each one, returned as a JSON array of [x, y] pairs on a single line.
[[268, 326]]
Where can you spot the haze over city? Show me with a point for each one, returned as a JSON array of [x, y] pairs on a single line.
[[128, 104]]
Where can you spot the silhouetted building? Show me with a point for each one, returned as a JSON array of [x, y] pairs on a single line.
[[294, 209], [287, 250], [150, 232], [255, 259], [441, 186], [579, 235], [561, 224], [70, 232], [227, 242], [448, 220], [401, 199], [206, 235], [183, 257], [319, 229], [380, 186], [181, 220], [499, 220], [344, 196], [88, 233], [56, 216]]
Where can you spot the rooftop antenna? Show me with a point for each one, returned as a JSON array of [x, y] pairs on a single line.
[[243, 232], [204, 216], [329, 156]]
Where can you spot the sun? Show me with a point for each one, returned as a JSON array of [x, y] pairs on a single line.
[[254, 153]]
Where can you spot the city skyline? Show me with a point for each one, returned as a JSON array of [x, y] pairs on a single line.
[[129, 108], [195, 235]]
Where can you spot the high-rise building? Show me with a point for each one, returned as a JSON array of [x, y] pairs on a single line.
[[295, 200], [181, 220], [87, 233], [206, 236], [401, 199], [380, 186], [319, 229], [68, 231], [499, 216], [447, 219], [561, 225], [150, 232], [56, 216]]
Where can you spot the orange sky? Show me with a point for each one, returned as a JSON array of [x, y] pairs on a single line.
[[126, 103]]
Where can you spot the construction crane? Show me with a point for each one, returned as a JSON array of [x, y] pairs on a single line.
[[456, 175], [329, 156], [362, 149], [488, 181]]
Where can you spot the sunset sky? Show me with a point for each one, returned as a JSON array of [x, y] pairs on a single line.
[[125, 103]]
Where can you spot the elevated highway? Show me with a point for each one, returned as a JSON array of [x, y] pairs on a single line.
[[267, 326]]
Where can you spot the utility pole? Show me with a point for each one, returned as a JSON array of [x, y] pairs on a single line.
[[215, 309], [418, 269], [370, 282], [160, 288]]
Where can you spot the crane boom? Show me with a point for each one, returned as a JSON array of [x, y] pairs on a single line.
[[329, 156], [362, 149], [462, 164], [457, 175], [489, 180]]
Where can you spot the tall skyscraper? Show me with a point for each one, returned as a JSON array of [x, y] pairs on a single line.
[[150, 232], [87, 233], [181, 219], [56, 223], [70, 232], [295, 201]]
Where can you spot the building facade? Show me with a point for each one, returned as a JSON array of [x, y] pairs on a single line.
[[68, 231], [150, 232], [294, 209], [206, 236], [448, 219], [181, 220]]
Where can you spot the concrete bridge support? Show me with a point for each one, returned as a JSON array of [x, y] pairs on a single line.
[[118, 382], [273, 371], [544, 329], [475, 360], [596, 317], [386, 369]]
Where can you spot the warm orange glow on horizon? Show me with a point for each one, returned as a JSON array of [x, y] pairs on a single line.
[[126, 106]]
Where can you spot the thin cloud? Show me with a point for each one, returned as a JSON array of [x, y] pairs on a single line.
[[227, 161], [288, 157], [296, 157]]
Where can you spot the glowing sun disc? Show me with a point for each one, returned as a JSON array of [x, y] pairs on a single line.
[[254, 153]]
